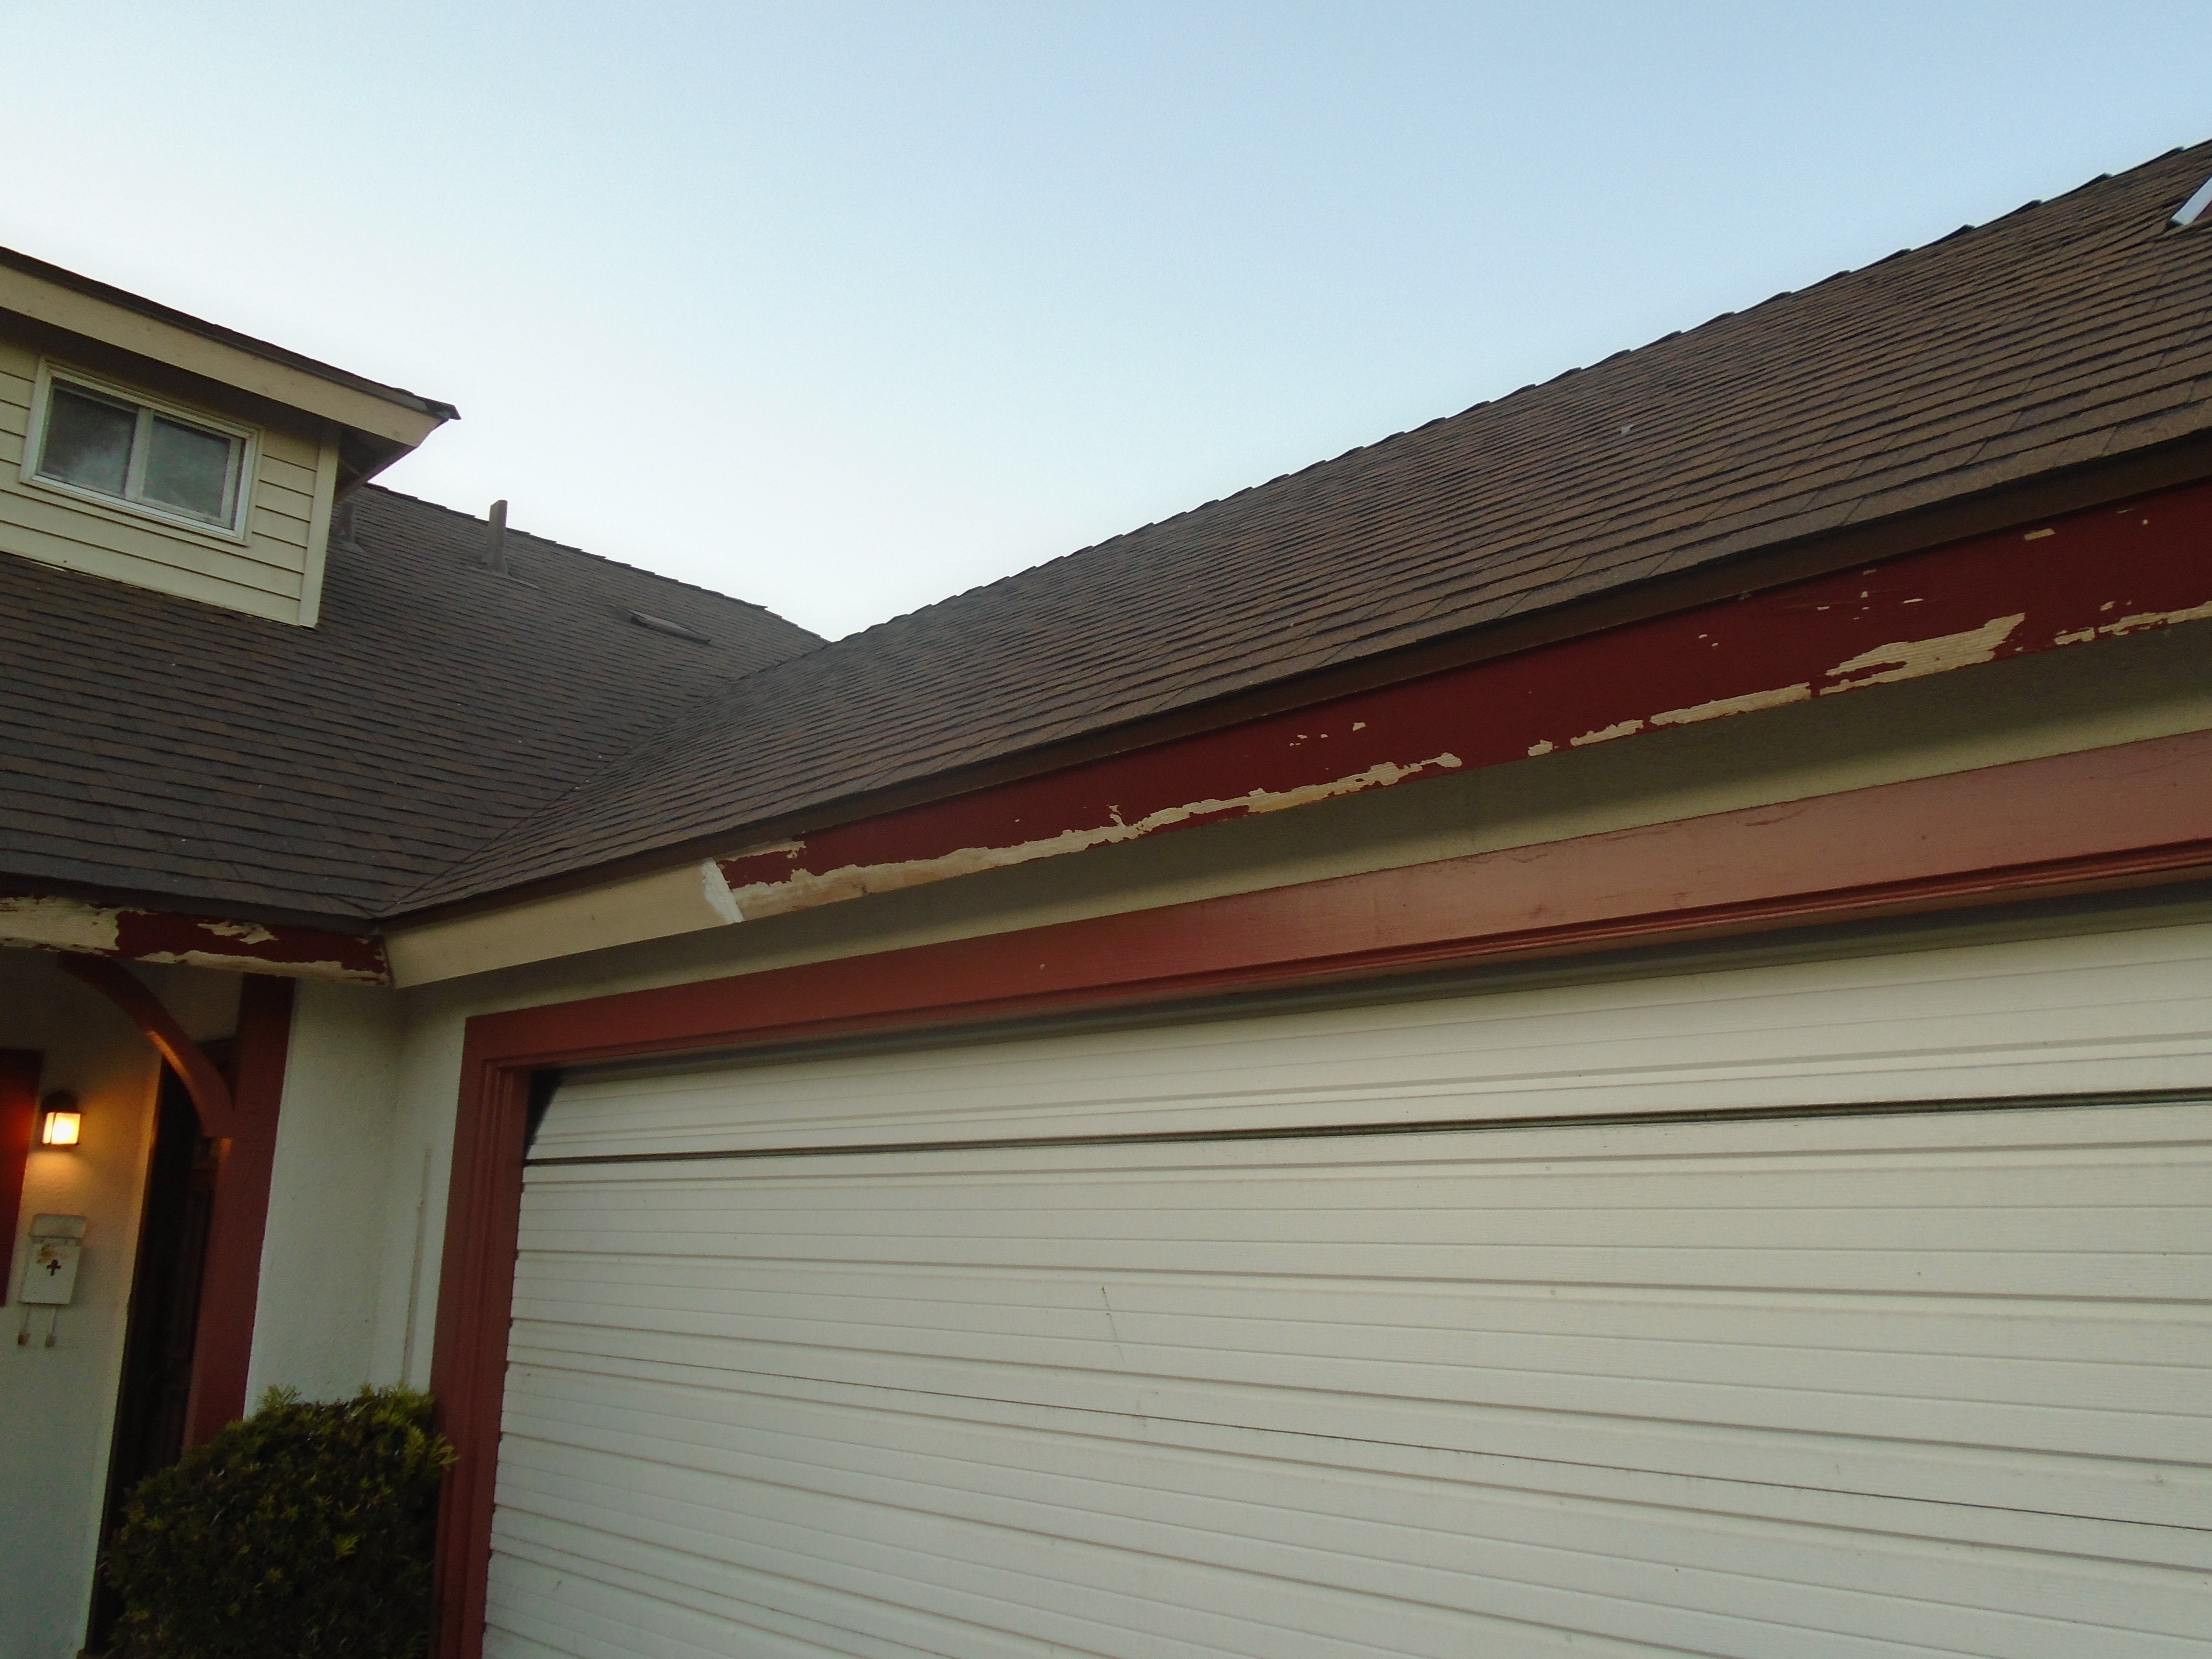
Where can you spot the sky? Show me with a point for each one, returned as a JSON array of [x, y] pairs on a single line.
[[844, 308]]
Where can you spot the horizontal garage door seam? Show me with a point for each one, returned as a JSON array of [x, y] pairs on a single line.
[[1328, 1131]]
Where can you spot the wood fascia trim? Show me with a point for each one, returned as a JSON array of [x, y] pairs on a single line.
[[61, 919]]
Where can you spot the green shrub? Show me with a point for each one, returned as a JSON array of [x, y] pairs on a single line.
[[305, 1531]]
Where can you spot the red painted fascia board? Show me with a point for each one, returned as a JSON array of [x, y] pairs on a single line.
[[2084, 577], [143, 934], [270, 948], [2137, 809], [2128, 816], [18, 1126]]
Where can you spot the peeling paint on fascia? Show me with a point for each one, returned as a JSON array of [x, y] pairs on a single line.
[[1909, 660], [47, 922], [1541, 746], [803, 889], [58, 924], [762, 849], [1749, 701], [2136, 623], [714, 888], [230, 964], [1606, 733]]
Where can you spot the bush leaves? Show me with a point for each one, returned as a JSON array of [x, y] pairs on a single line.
[[304, 1530]]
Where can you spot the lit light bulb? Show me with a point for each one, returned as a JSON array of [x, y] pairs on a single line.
[[61, 1128]]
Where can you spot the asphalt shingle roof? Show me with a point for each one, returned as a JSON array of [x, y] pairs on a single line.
[[447, 733], [158, 745], [2066, 333]]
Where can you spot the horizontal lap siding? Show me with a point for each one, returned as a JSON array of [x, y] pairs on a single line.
[[263, 575], [1782, 1388]]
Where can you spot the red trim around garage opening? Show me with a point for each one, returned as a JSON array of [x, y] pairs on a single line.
[[2126, 816]]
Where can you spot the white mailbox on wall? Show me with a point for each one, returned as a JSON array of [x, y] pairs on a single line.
[[50, 1272]]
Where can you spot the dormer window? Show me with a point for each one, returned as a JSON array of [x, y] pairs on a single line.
[[102, 441]]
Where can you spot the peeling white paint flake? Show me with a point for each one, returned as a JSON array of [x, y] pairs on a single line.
[[227, 965], [1606, 733], [803, 889], [1741, 705], [2037, 535], [1541, 746], [2137, 623], [57, 924], [246, 932], [762, 849], [1908, 659]]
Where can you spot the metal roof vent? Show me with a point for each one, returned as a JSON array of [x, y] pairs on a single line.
[[2193, 210]]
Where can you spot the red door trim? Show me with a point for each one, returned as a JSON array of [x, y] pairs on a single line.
[[2133, 815], [240, 1114], [231, 1288], [210, 1093]]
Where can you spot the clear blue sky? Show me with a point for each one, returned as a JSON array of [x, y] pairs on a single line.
[[845, 307]]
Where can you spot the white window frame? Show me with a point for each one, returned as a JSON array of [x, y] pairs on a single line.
[[248, 438]]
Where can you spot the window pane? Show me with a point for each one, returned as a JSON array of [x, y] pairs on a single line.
[[188, 468], [87, 442]]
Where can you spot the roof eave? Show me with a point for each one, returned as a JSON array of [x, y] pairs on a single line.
[[63, 298], [2181, 461]]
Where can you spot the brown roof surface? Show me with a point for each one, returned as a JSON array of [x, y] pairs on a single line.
[[447, 732], [165, 747], [2065, 332]]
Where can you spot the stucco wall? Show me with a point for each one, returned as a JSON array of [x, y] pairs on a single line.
[[58, 1404], [321, 1254]]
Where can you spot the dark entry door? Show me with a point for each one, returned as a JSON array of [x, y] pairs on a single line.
[[165, 1304]]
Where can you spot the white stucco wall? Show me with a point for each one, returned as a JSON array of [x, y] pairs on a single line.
[[321, 1255], [58, 1404]]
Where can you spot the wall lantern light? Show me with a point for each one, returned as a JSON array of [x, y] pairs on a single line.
[[62, 1122]]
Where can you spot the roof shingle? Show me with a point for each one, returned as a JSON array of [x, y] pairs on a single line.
[[447, 733], [160, 746], [2064, 332]]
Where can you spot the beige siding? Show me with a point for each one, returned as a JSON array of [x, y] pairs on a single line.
[[274, 572]]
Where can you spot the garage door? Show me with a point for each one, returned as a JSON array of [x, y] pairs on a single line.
[[1634, 1318]]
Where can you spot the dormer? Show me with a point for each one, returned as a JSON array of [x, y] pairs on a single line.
[[147, 446]]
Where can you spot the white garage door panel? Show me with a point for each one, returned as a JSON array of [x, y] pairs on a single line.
[[2089, 1016], [1826, 1387]]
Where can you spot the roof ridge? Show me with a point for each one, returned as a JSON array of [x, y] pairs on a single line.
[[596, 558]]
